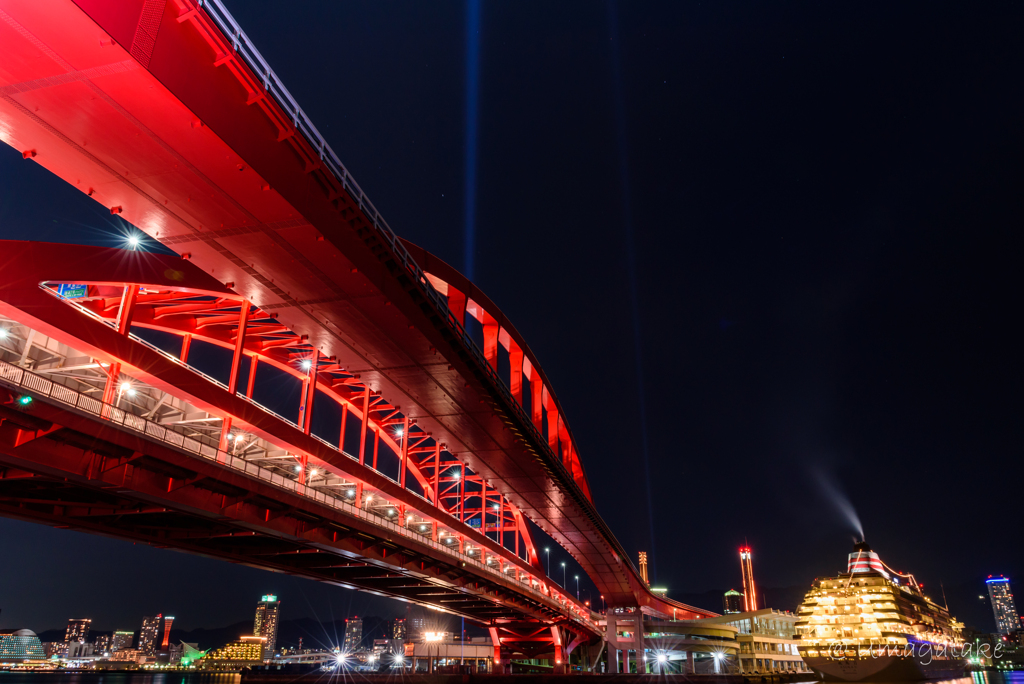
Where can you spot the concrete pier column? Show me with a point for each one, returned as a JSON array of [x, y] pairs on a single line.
[[689, 662]]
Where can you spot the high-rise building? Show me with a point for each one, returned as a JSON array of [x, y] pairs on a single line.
[[418, 625], [101, 643], [168, 621], [78, 631], [122, 639], [149, 633], [353, 634], [733, 601], [398, 629], [749, 593], [1003, 608], [268, 614]]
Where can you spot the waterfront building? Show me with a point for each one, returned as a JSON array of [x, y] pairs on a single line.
[[647, 644], [747, 569], [398, 629], [733, 601], [191, 654], [767, 641], [19, 645], [128, 655], [78, 649], [248, 650], [353, 634], [149, 633], [77, 631], [381, 646], [122, 639], [446, 655], [54, 648], [268, 612], [1003, 608]]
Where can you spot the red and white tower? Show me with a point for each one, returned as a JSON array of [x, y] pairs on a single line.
[[749, 592]]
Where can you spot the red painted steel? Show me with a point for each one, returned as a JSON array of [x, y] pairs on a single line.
[[148, 107], [165, 283]]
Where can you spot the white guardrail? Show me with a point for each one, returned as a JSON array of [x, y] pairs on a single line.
[[61, 395]]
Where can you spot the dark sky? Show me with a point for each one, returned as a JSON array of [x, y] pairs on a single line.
[[824, 217]]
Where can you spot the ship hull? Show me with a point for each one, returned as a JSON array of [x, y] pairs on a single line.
[[886, 668]]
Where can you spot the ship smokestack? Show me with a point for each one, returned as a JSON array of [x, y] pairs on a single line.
[[863, 559]]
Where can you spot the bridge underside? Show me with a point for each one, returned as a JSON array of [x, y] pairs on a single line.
[[64, 470]]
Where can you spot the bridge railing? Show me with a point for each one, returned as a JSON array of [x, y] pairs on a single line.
[[37, 386], [54, 292], [272, 84]]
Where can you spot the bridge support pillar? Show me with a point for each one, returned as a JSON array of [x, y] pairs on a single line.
[[499, 666], [689, 662], [560, 653], [624, 623]]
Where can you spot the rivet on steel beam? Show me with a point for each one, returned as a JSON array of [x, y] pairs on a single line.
[[319, 238], [28, 154], [229, 285], [186, 256], [115, 210]]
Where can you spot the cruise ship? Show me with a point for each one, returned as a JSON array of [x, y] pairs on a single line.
[[874, 623]]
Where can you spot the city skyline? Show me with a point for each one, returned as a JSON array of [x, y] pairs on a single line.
[[834, 317]]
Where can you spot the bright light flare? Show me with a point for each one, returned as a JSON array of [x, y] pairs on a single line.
[[133, 241], [307, 364]]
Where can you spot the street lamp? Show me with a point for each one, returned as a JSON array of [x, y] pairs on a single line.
[[563, 575], [577, 587], [548, 552]]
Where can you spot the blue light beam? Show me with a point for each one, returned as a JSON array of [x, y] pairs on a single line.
[[627, 224], [472, 126]]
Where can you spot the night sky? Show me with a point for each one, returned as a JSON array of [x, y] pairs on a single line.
[[782, 240]]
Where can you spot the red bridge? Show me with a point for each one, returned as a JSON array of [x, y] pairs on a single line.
[[423, 429]]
